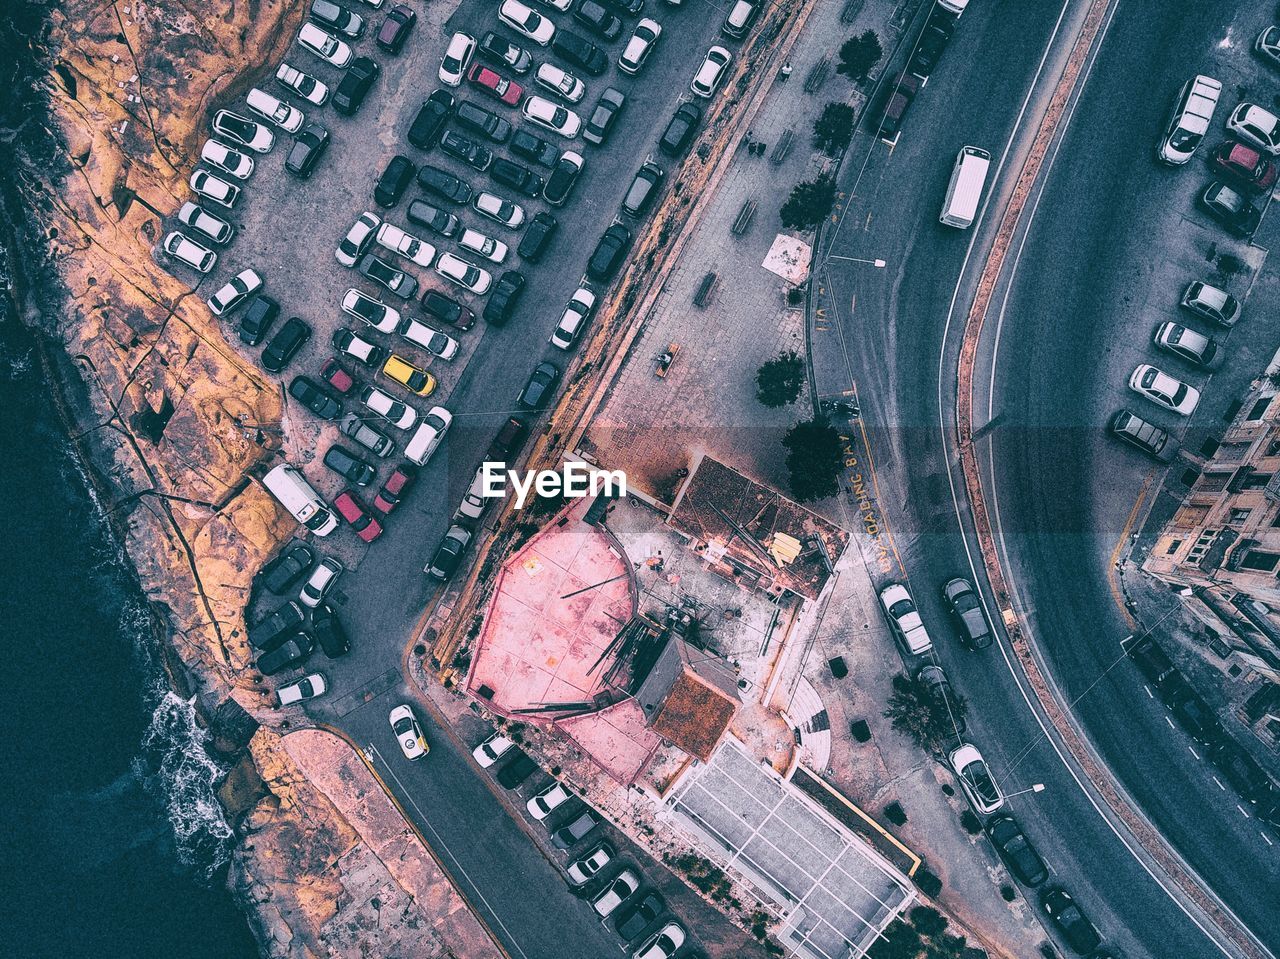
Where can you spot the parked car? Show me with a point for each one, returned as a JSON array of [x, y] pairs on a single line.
[[560, 82], [540, 386], [375, 441], [432, 340], [336, 377], [1192, 115], [583, 869], [1186, 343], [391, 237], [467, 150], [509, 441], [226, 160], [633, 918], [547, 799], [303, 84], [496, 208], [526, 21], [395, 179], [580, 52], [275, 110], [1017, 851], [188, 251], [1164, 390], [355, 85], [456, 59], [414, 379], [283, 573], [429, 435], [495, 84], [234, 292], [448, 555], [552, 116], [976, 779], [1212, 303], [618, 891], [495, 251], [407, 732], [322, 579], [663, 943], [1147, 437], [739, 19], [349, 466], [1256, 126], [604, 116], [630, 8], [395, 30], [1241, 770], [257, 319], [482, 121], [430, 119], [561, 182], [1070, 920], [935, 679], [324, 45], [386, 406], [644, 187], [207, 224], [308, 687], [598, 20], [643, 39], [267, 633], [396, 281], [1152, 661], [308, 147], [492, 749], [504, 53], [535, 149], [1267, 46], [395, 488], [307, 392], [466, 275], [284, 346], [609, 253], [352, 344], [574, 319], [432, 179], [537, 237], [358, 239], [506, 294], [518, 178], [1190, 711], [1231, 208], [966, 611], [440, 307], [575, 830], [520, 767], [328, 632], [433, 218], [214, 188], [708, 76], [337, 17], [356, 516], [242, 131], [292, 652], [675, 138], [1245, 166]]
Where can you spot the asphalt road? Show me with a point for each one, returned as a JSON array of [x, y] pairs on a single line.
[[1059, 489]]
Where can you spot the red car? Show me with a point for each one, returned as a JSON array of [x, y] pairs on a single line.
[[1245, 166], [395, 29], [337, 377], [353, 511], [495, 84], [388, 498]]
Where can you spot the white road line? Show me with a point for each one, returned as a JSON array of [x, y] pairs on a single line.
[[1148, 689], [1220, 786], [438, 843], [1242, 811], [1192, 750], [1171, 725], [1266, 838]]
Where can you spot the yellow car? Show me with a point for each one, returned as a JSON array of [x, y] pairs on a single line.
[[409, 376]]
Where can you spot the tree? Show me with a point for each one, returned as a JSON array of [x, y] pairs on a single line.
[[916, 709], [810, 203], [778, 381], [834, 129], [814, 459], [859, 55]]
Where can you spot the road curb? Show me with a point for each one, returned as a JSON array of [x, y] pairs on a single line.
[[1151, 842]]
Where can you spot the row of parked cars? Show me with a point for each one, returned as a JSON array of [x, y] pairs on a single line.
[[611, 887], [925, 54]]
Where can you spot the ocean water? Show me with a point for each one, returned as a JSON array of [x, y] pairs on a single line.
[[112, 842]]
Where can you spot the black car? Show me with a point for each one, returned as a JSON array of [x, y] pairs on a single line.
[[328, 631], [396, 28], [394, 181], [431, 118], [580, 52], [643, 189], [1242, 771], [560, 184], [330, 14], [285, 344], [447, 310], [537, 391], [676, 137], [283, 573], [966, 613], [631, 8], [604, 116], [308, 147], [508, 442], [537, 237], [609, 253], [933, 40], [268, 633], [515, 176], [576, 830], [503, 299], [448, 555], [349, 466], [1070, 921], [445, 184], [535, 149], [1231, 208], [633, 919], [482, 121], [433, 218], [290, 653], [308, 392], [1150, 659], [1190, 711], [1017, 852], [383, 273], [465, 149], [598, 20], [518, 768], [257, 319], [504, 53], [355, 85]]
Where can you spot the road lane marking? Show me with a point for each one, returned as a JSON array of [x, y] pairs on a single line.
[[1266, 838], [1220, 786], [1170, 722], [1148, 689], [1242, 812], [1192, 750]]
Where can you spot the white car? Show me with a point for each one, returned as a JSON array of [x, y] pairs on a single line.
[[205, 223], [564, 85], [388, 407], [229, 161], [712, 71], [1212, 303], [905, 619], [429, 338], [527, 22], [1256, 126], [358, 238], [408, 733], [582, 870], [287, 118], [550, 115], [214, 188], [308, 687], [303, 84], [324, 45], [496, 208], [546, 800], [576, 314], [474, 502], [1164, 390], [456, 59], [242, 131], [641, 44], [190, 252], [561, 6], [320, 582], [431, 433], [377, 314], [491, 750], [466, 275], [663, 943], [236, 290], [396, 240], [976, 779], [352, 344], [623, 886], [486, 246]]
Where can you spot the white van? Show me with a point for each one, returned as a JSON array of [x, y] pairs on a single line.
[[427, 437], [287, 484], [1192, 115], [965, 190]]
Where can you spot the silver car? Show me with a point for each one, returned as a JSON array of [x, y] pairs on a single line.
[[616, 893], [1186, 343], [1212, 303]]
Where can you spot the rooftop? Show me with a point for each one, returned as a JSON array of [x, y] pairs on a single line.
[[689, 697]]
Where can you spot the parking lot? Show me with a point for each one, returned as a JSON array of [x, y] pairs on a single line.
[[288, 229]]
